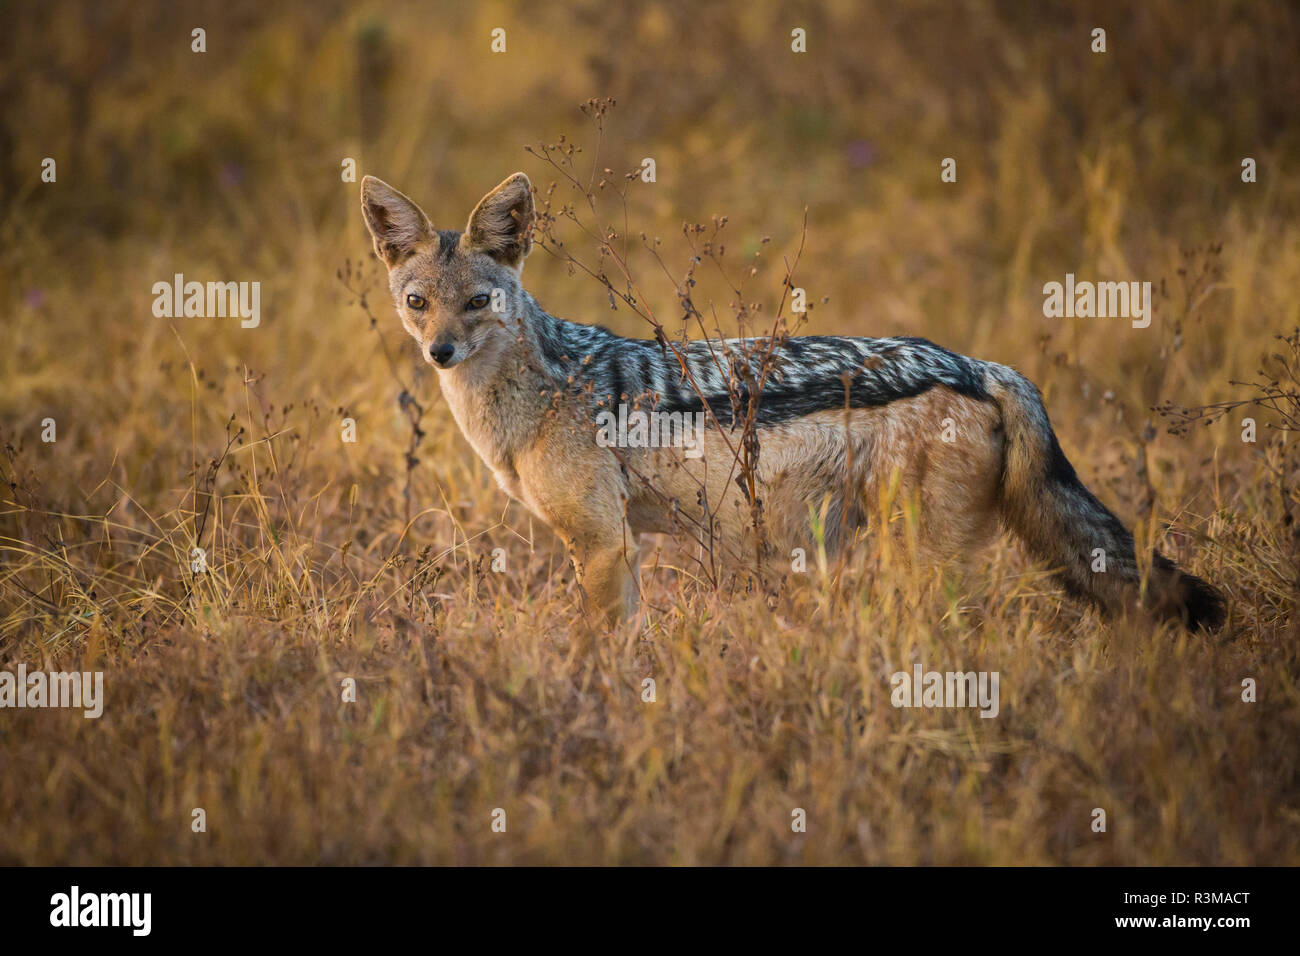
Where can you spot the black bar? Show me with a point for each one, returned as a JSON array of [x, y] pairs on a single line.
[[921, 906]]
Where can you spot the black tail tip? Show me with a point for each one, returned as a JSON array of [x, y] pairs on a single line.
[[1194, 601], [1203, 608]]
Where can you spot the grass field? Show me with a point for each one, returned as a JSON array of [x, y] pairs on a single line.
[[480, 690]]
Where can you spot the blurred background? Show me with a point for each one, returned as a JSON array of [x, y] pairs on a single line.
[[329, 558], [227, 163]]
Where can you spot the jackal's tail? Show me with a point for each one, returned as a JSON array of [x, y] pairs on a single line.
[[1063, 524]]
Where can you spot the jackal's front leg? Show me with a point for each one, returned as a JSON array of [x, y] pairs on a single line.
[[578, 488], [607, 567]]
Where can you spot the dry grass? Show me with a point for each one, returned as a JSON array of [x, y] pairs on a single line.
[[479, 689]]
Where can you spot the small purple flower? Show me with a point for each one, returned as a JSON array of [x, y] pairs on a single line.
[[861, 153], [35, 298], [232, 174]]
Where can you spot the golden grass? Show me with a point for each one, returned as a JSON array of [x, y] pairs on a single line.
[[480, 690]]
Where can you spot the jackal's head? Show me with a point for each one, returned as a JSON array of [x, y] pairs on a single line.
[[458, 293]]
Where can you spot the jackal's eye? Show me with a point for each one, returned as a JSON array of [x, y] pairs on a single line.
[[416, 302], [478, 302]]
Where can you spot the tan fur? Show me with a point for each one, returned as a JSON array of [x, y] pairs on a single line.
[[842, 463], [849, 460]]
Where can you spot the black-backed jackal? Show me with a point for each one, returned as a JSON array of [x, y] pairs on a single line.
[[835, 418]]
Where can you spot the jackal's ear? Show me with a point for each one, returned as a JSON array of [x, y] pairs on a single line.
[[501, 225], [398, 225]]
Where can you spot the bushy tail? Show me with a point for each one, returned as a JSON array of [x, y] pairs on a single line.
[[1063, 524]]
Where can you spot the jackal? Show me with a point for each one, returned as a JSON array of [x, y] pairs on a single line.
[[836, 420]]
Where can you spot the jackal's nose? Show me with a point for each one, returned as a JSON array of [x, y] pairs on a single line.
[[442, 353]]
